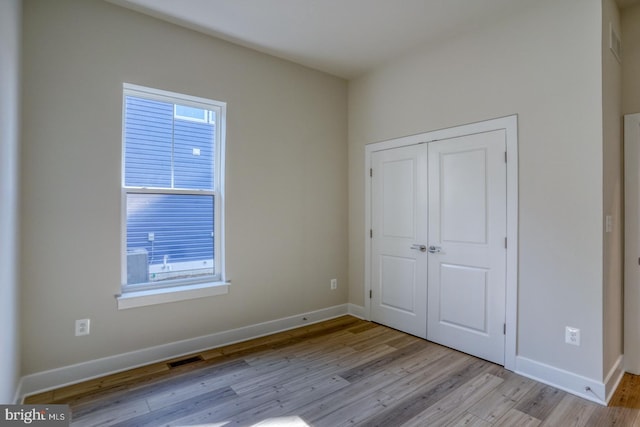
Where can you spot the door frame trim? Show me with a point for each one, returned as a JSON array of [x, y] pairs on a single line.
[[510, 125], [631, 242]]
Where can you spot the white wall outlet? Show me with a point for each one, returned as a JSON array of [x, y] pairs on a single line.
[[334, 283], [83, 327], [572, 335]]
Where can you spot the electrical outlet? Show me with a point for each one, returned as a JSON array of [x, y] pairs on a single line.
[[334, 283], [83, 327], [572, 335]]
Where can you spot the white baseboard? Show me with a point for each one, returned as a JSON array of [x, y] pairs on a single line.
[[561, 379], [614, 377], [17, 397], [66, 375], [356, 310]]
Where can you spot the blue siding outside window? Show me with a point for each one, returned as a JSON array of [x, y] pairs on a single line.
[[148, 143], [176, 226], [174, 232], [193, 170]]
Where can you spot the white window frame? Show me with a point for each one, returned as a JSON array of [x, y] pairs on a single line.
[[141, 295], [208, 119]]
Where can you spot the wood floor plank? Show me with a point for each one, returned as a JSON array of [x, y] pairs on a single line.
[[321, 369], [398, 388], [226, 413], [513, 418], [302, 397], [493, 406], [570, 412], [187, 389], [369, 405], [626, 396], [178, 410], [362, 389], [112, 399], [262, 405], [363, 327], [287, 338], [457, 402], [540, 401], [268, 379], [406, 409], [383, 362], [416, 382], [291, 402], [403, 340], [469, 420], [345, 371], [100, 385], [357, 412], [365, 340], [624, 406], [107, 416], [44, 397], [299, 350], [424, 358], [613, 416]]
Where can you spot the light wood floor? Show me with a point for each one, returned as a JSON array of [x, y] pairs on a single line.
[[341, 372]]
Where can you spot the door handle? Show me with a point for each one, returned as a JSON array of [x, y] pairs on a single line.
[[435, 249], [421, 248]]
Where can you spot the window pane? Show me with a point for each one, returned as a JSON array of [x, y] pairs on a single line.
[[169, 236], [162, 152], [148, 139], [184, 112], [193, 155]]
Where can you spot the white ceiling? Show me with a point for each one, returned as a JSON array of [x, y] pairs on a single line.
[[341, 37]]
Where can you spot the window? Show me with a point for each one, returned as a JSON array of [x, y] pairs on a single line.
[[201, 115], [172, 192]]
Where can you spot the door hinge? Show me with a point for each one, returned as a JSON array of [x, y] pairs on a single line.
[[505, 157], [504, 329], [371, 233], [505, 243], [370, 294], [370, 171]]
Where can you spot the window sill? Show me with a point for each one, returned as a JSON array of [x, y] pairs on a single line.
[[177, 293]]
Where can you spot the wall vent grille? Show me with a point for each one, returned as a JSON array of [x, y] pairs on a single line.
[[186, 361]]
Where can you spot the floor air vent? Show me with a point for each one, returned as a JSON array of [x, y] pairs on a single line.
[[186, 361]]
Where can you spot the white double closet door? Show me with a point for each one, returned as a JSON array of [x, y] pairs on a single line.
[[438, 241]]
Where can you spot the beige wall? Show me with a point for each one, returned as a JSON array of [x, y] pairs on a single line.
[[543, 64], [9, 120], [286, 181], [613, 189], [631, 63]]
